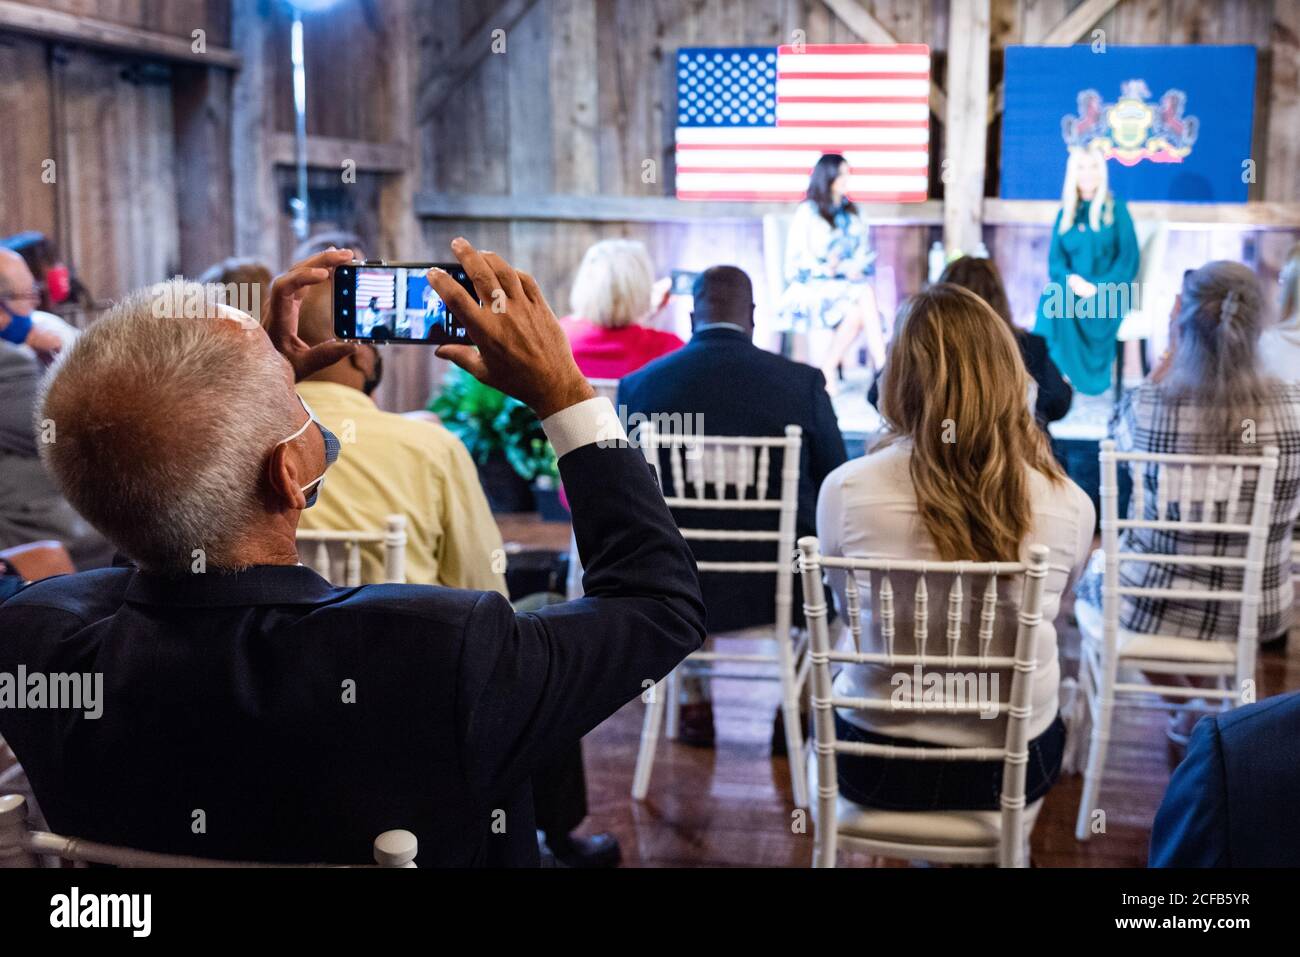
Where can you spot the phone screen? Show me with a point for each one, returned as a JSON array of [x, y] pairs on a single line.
[[395, 303]]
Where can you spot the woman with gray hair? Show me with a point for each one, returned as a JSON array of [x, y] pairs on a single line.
[[614, 298], [1209, 394]]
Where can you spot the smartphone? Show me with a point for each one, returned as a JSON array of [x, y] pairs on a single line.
[[376, 301], [683, 282]]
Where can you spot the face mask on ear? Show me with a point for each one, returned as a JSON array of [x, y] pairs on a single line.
[[332, 447]]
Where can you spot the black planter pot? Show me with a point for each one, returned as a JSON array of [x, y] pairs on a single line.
[[506, 490]]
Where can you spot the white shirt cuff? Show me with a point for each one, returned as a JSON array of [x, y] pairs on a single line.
[[592, 420]]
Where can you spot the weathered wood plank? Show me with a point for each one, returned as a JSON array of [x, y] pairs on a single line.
[[646, 209], [52, 24], [966, 126]]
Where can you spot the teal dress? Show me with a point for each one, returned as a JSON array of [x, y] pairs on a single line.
[[1081, 332]]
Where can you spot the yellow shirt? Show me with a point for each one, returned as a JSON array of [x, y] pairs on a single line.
[[391, 464]]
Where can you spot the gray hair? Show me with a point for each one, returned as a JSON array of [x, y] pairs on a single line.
[[161, 419], [1216, 359]]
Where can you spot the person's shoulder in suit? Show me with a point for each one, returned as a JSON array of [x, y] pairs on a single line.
[[1238, 780]]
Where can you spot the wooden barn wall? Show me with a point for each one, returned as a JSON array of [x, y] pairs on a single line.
[[116, 127], [584, 94]]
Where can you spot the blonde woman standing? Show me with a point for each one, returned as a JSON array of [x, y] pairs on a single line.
[[964, 472], [1091, 265]]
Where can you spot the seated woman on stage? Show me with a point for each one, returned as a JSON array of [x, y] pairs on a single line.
[[964, 472], [1195, 401], [1092, 262], [612, 305], [981, 277], [828, 265]]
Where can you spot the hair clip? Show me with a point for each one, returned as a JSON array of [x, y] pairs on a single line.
[[1229, 308]]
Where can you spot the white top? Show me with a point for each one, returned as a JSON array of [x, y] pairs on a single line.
[[1279, 350], [867, 508]]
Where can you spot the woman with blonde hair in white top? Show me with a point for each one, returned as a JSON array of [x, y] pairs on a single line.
[[963, 473]]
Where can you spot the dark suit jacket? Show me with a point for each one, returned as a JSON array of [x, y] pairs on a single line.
[[1233, 800], [227, 694], [740, 389], [1054, 393]]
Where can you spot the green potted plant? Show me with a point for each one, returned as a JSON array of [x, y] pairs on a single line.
[[516, 463]]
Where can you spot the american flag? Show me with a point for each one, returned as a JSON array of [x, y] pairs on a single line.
[[752, 121], [377, 283]]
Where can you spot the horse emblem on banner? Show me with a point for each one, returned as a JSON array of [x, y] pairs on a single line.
[[1132, 129]]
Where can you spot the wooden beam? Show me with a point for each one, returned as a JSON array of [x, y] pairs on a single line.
[[643, 209], [1069, 31], [330, 152], [966, 127], [450, 74], [1254, 215], [1078, 22], [257, 208], [65, 27], [870, 30]]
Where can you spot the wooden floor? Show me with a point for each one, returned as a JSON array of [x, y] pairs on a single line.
[[730, 806]]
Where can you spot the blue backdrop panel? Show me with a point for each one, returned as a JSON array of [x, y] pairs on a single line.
[[1173, 121]]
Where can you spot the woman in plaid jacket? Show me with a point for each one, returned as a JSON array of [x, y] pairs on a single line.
[[1210, 394]]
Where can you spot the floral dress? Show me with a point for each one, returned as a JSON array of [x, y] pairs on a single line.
[[826, 268]]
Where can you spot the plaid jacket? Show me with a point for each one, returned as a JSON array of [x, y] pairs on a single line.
[[1146, 420]]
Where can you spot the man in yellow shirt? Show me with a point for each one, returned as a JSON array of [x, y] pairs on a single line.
[[391, 464]]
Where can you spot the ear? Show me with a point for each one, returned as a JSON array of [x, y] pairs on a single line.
[[285, 479]]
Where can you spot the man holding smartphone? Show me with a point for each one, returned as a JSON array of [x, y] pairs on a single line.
[[301, 719]]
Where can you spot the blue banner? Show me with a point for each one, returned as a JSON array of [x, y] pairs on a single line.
[[1174, 122]]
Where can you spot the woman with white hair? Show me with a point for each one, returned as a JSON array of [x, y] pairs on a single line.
[[613, 301], [1211, 380], [1091, 266], [1279, 346]]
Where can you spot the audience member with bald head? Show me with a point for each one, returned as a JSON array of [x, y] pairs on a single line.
[[302, 718], [729, 386]]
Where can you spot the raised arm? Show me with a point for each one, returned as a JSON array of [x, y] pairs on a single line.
[[530, 683]]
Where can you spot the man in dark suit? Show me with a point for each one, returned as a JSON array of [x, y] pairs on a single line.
[[249, 709], [731, 387], [1232, 801]]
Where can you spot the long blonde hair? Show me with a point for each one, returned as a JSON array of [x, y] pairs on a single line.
[[1290, 280], [956, 387], [1102, 209]]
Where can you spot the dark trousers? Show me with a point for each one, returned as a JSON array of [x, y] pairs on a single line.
[[560, 792], [903, 785]]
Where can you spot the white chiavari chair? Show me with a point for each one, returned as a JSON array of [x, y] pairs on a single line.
[[701, 471], [20, 846], [975, 592], [335, 555], [1202, 494]]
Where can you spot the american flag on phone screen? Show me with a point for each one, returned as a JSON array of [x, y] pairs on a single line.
[[377, 283], [752, 121]]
